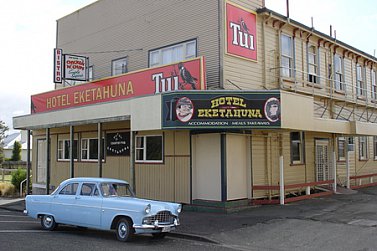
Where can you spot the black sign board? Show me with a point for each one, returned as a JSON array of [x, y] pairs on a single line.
[[221, 109], [118, 144]]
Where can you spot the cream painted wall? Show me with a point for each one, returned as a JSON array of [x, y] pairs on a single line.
[[206, 168]]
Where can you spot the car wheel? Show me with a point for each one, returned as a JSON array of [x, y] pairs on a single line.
[[124, 230], [159, 235], [48, 222]]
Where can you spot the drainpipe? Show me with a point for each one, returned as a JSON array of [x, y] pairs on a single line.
[[48, 164]]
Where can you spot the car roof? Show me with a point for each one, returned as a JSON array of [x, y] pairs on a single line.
[[94, 179]]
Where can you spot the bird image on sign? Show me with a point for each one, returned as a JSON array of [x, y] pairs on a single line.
[[187, 77]]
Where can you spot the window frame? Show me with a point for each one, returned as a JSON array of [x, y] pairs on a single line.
[[373, 84], [290, 57], [113, 68], [63, 151], [344, 152], [360, 81], [363, 148], [160, 51], [145, 150], [375, 147], [300, 147], [88, 149], [91, 73], [339, 83], [312, 76]]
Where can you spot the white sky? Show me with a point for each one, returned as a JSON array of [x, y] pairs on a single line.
[[28, 30]]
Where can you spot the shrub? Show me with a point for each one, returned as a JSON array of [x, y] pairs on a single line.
[[17, 177], [7, 189]]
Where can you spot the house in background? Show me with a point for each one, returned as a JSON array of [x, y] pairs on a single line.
[[20, 136]]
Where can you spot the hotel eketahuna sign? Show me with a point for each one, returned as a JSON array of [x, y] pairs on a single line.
[[241, 32], [185, 75]]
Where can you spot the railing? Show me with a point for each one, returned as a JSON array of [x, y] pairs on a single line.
[[300, 186], [360, 178]]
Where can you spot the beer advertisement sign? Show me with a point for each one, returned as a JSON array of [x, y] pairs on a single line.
[[241, 32], [221, 109], [184, 75]]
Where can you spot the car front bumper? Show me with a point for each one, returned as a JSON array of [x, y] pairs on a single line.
[[156, 227]]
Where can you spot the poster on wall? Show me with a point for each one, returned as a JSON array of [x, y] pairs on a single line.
[[241, 32], [221, 109], [184, 75], [76, 67], [118, 144]]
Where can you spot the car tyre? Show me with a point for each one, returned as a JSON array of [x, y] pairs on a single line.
[[124, 230], [48, 222], [159, 235]]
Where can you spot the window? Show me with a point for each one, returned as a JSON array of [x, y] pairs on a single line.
[[360, 88], [363, 148], [69, 189], [297, 147], [286, 56], [373, 84], [149, 149], [312, 64], [64, 147], [119, 66], [88, 189], [173, 53], [90, 72], [89, 149], [342, 148], [338, 71], [375, 147]]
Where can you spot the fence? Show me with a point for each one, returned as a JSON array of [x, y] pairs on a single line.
[[8, 167]]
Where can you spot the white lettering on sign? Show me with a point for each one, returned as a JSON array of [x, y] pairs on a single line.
[[241, 38]]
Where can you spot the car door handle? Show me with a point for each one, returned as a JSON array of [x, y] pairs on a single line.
[[77, 197]]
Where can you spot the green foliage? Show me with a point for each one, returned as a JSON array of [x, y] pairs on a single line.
[[17, 177], [16, 152], [3, 130]]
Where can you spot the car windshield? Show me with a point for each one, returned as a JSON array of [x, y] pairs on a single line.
[[116, 189]]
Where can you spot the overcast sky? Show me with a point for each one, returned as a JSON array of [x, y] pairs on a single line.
[[28, 29]]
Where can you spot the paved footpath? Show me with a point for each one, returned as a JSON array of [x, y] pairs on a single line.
[[336, 222]]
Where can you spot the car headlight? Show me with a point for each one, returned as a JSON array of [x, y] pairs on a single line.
[[179, 209], [147, 209]]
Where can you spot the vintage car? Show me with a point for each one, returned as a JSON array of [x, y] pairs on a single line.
[[103, 203]]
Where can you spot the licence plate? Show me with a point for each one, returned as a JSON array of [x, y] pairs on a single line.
[[165, 229]]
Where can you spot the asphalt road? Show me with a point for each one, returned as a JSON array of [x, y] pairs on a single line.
[[18, 232]]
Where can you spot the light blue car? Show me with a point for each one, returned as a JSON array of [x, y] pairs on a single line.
[[102, 203]]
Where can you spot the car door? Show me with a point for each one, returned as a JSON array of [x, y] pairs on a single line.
[[63, 204], [88, 206]]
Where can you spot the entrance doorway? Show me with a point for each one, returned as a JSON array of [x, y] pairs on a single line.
[[41, 161], [322, 160]]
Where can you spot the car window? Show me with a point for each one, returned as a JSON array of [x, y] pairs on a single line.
[[69, 189], [116, 189], [87, 189]]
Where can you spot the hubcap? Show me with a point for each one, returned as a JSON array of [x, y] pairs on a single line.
[[122, 230], [48, 221]]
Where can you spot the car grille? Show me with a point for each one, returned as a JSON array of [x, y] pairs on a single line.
[[163, 217]]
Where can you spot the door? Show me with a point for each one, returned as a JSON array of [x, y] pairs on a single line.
[[88, 206], [322, 160], [41, 161]]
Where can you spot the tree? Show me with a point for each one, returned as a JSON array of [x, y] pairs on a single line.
[[16, 152], [3, 130]]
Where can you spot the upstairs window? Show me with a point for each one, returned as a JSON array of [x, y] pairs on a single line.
[[173, 53], [339, 76], [360, 84], [90, 73], [312, 64], [297, 147], [119, 66], [286, 63], [373, 85]]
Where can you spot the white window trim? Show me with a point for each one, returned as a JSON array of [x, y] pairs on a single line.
[[301, 148], [88, 149], [113, 62], [315, 64], [344, 150], [184, 53], [144, 160], [63, 150], [340, 73], [360, 81], [366, 148], [373, 76], [291, 58]]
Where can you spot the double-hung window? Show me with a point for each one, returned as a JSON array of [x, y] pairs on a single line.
[[64, 147], [149, 148], [297, 147], [360, 83], [363, 148], [312, 64], [375, 147], [119, 66], [373, 85], [338, 71], [286, 63], [342, 148], [90, 72], [89, 149], [173, 53]]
